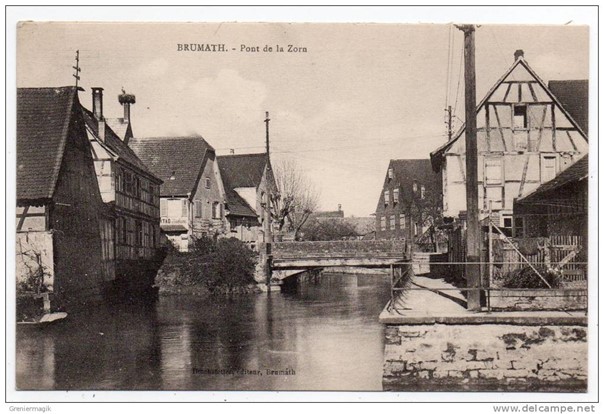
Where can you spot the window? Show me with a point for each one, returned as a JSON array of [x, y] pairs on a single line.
[[216, 210], [139, 233], [163, 207], [423, 192], [494, 198], [414, 187], [493, 171], [198, 208], [548, 167], [119, 180], [383, 223], [520, 117], [415, 229], [395, 197], [386, 197], [390, 173], [208, 183], [392, 222], [507, 222], [387, 223], [402, 221]]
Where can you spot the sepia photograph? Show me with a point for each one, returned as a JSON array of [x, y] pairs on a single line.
[[287, 206]]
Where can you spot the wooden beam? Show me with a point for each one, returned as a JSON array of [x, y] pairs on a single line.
[[500, 128], [507, 92], [572, 141], [554, 127], [530, 85], [22, 218]]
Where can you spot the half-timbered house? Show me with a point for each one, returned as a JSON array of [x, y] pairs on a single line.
[[131, 238], [525, 138], [248, 181], [192, 196], [59, 205]]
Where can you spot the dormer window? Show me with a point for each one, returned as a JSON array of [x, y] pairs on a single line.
[[386, 197], [520, 117], [422, 192], [390, 173], [414, 187], [395, 193]]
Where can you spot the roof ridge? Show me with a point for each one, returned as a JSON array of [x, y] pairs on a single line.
[[64, 132]]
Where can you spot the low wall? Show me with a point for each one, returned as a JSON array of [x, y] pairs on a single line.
[[486, 357], [335, 248], [538, 299]]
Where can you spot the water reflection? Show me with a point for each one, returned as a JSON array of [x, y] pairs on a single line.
[[325, 336]]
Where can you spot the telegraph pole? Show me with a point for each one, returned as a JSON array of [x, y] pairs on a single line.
[[449, 123], [77, 68], [268, 231], [473, 223]]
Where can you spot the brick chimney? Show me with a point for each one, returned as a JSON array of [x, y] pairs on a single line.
[[518, 54], [126, 99], [97, 111], [97, 102]]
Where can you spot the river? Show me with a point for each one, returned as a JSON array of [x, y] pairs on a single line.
[[323, 336]]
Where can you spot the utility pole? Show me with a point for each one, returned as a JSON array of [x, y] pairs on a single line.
[[268, 231], [449, 123], [77, 69], [473, 223]]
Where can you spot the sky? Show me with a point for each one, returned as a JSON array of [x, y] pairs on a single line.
[[360, 95]]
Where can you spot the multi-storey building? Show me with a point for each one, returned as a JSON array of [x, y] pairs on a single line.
[[525, 138], [131, 193], [192, 196]]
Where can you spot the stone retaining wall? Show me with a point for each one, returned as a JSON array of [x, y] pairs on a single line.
[[491, 357], [538, 299]]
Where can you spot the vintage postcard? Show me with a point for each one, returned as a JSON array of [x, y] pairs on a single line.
[[302, 207]]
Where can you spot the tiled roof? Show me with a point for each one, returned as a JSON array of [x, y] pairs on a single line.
[[237, 206], [573, 174], [122, 150], [574, 96], [175, 160], [43, 119], [245, 170], [407, 171], [241, 171]]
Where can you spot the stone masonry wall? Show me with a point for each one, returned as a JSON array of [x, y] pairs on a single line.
[[485, 358], [344, 248]]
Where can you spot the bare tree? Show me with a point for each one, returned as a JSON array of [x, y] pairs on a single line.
[[296, 199]]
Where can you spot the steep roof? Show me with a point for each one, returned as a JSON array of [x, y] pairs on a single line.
[[241, 171], [437, 155], [574, 96], [43, 120], [178, 161], [418, 170], [122, 150], [572, 175]]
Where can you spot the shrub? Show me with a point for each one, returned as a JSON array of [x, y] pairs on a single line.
[[526, 278], [230, 265]]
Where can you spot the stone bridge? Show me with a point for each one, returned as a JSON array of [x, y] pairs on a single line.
[[319, 254]]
